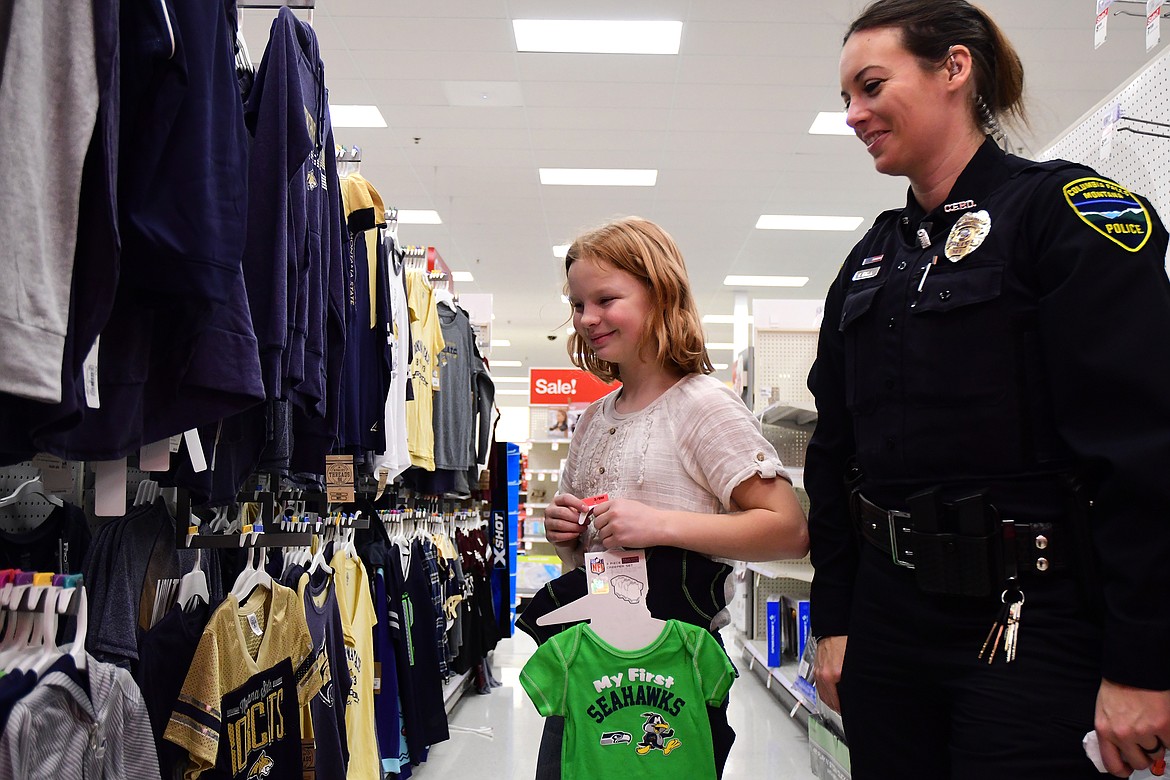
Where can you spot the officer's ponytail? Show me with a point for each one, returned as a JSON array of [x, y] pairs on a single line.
[[931, 27]]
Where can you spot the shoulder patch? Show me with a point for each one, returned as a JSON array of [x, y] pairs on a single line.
[[1111, 210]]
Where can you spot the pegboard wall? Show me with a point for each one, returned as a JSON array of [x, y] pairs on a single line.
[[782, 361], [1138, 162], [31, 509], [767, 587]]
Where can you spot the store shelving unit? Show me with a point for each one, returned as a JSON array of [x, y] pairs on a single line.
[[538, 562]]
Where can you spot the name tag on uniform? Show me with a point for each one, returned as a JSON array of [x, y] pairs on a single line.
[[872, 260], [866, 273]]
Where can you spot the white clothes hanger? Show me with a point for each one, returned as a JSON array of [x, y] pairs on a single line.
[[254, 574], [33, 487], [625, 623]]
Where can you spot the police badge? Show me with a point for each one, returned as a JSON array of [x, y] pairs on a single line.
[[967, 234]]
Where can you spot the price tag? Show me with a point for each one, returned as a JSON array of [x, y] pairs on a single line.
[[90, 377], [56, 474], [339, 478], [109, 487], [383, 476], [174, 442], [195, 450], [1153, 23], [156, 456], [1100, 29], [1109, 131]]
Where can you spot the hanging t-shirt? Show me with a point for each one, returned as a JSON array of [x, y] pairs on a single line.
[[427, 335], [392, 746], [640, 713], [396, 459], [357, 622], [164, 656], [255, 667], [326, 749], [59, 544]]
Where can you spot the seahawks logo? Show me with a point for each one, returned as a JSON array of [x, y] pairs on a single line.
[[261, 768]]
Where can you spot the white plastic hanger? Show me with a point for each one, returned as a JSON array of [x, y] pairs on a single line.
[[625, 625], [254, 574], [31, 487], [193, 586]]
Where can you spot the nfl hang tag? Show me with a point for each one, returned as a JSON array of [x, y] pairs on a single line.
[[967, 234]]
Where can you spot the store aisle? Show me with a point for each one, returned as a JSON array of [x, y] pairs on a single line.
[[769, 744]]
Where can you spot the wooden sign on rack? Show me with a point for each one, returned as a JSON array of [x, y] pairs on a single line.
[[339, 479]]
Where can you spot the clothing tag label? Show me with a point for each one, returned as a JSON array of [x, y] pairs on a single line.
[[254, 624], [592, 501], [339, 478], [1109, 131], [174, 443], [109, 487], [1099, 30], [1153, 23], [377, 677], [621, 572], [56, 474], [383, 477], [155, 456], [308, 759], [90, 377], [195, 451]]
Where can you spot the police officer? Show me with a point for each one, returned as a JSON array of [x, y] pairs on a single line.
[[990, 473]]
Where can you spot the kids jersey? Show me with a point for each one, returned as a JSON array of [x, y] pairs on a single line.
[[632, 714], [255, 667], [358, 619], [427, 336]]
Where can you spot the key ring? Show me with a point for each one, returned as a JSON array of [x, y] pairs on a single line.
[[1003, 600]]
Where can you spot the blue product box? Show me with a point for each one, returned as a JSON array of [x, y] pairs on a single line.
[[775, 645]]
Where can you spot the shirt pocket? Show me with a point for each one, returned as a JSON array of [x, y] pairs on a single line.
[[861, 347], [959, 346]]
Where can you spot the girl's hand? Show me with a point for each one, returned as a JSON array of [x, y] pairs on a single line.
[[622, 522], [560, 521]]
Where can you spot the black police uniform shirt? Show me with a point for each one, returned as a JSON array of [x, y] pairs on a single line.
[[1041, 351]]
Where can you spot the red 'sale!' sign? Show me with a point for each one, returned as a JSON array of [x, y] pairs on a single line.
[[564, 386]]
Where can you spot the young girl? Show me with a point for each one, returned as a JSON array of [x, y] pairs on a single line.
[[680, 456]]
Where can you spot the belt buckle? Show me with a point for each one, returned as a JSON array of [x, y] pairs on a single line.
[[893, 515]]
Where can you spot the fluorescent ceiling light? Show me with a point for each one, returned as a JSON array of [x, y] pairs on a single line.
[[514, 380], [500, 343], [718, 366], [418, 217], [830, 123], [807, 222], [506, 364], [765, 281], [595, 36], [561, 251], [719, 345], [462, 276], [356, 116], [508, 391], [723, 319], [599, 177]]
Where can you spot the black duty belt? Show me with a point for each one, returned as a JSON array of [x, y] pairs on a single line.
[[1038, 547]]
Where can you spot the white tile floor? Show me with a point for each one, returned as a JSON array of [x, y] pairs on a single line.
[[768, 743]]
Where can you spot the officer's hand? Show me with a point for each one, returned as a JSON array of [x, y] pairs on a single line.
[[1133, 726], [560, 521], [622, 522], [827, 672]]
